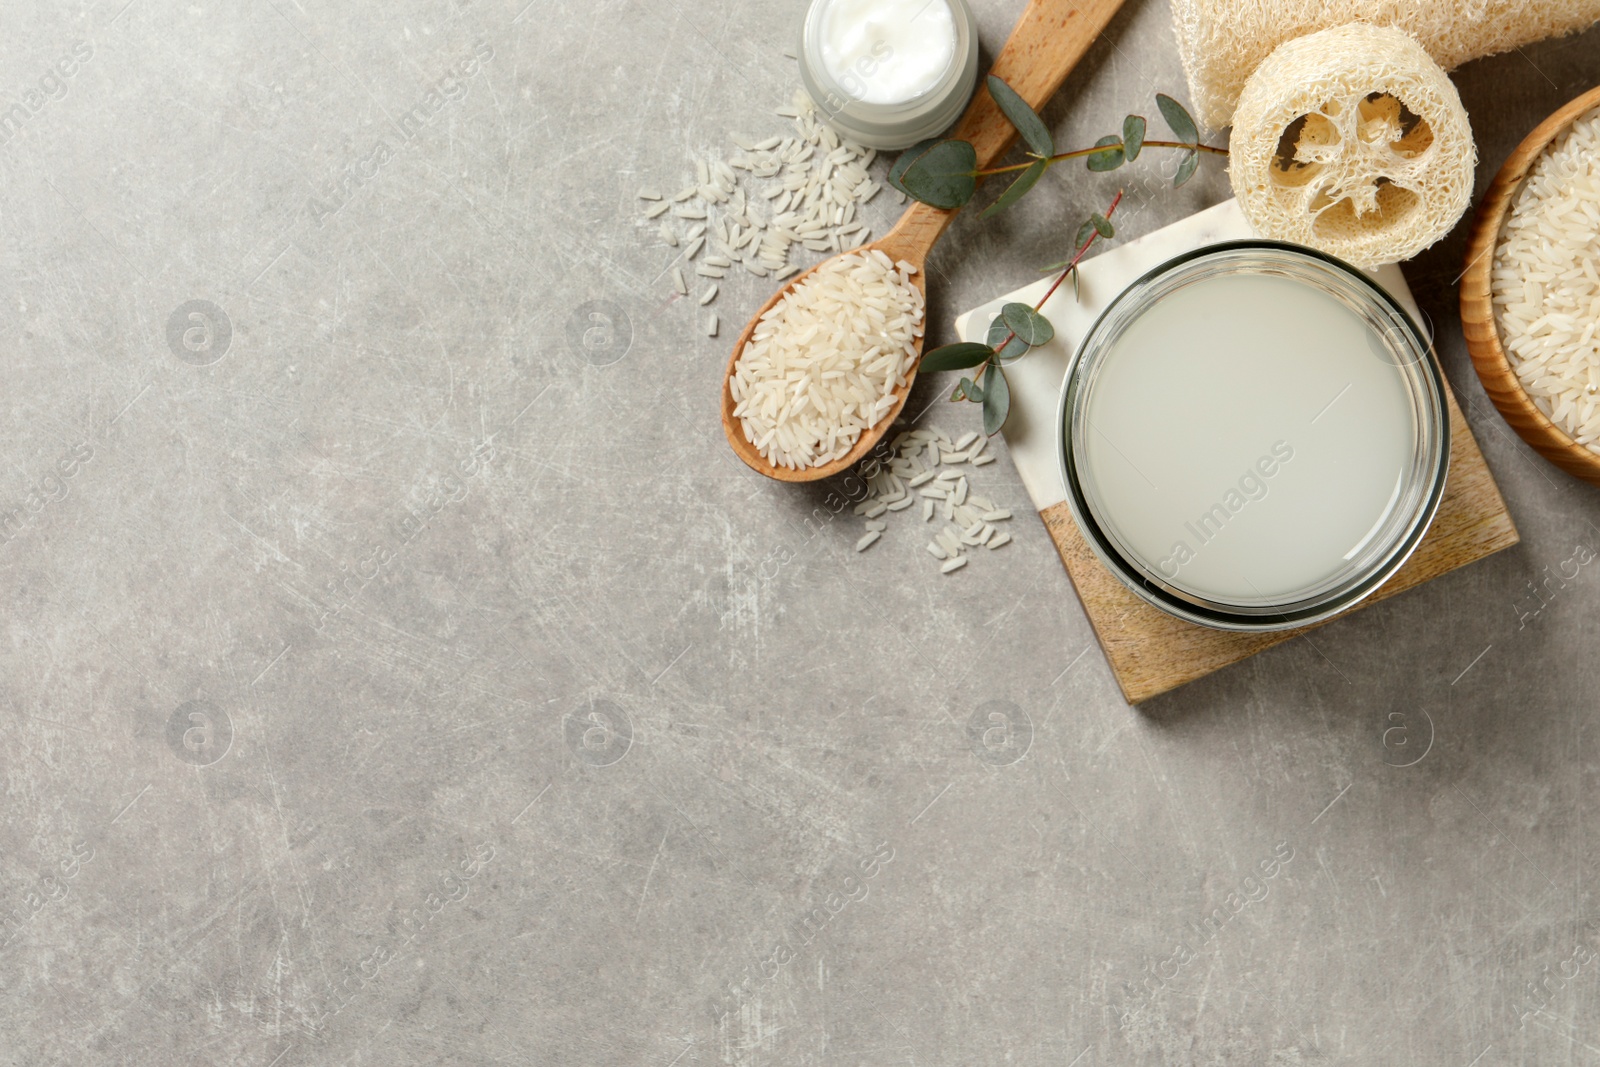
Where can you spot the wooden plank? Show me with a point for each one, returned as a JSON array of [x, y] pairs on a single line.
[[1151, 652]]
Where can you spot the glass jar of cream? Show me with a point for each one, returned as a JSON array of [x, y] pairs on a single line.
[[889, 73], [1254, 436]]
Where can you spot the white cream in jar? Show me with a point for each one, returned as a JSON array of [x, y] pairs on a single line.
[[887, 51], [889, 73]]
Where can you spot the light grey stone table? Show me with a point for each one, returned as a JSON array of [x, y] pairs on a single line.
[[392, 677]]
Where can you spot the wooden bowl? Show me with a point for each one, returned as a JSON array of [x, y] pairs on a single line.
[[1477, 311]]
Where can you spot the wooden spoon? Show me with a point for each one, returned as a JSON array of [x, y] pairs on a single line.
[[1049, 39]]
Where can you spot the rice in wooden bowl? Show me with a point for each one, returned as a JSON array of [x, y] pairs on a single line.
[[1530, 297]]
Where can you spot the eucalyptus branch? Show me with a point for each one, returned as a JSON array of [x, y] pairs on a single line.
[[1083, 248], [1016, 331], [945, 174], [1095, 151]]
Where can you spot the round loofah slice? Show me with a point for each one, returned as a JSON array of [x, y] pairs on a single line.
[[1353, 141]]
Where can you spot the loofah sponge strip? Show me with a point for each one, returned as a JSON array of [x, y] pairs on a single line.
[[1222, 41], [1353, 141]]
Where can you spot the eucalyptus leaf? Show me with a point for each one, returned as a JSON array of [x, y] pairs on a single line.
[[1133, 136], [1178, 118], [1004, 340], [1072, 272], [1023, 117], [1085, 232], [906, 158], [955, 357], [1024, 182], [996, 400], [1033, 328], [943, 175], [998, 332], [1190, 161], [969, 390], [1102, 226], [1110, 159]]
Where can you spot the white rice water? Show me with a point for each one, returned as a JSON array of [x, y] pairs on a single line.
[[1248, 435]]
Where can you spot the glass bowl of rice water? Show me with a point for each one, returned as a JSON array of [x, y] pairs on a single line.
[[1254, 436]]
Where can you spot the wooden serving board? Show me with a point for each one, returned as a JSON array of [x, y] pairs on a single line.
[[1149, 651]]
